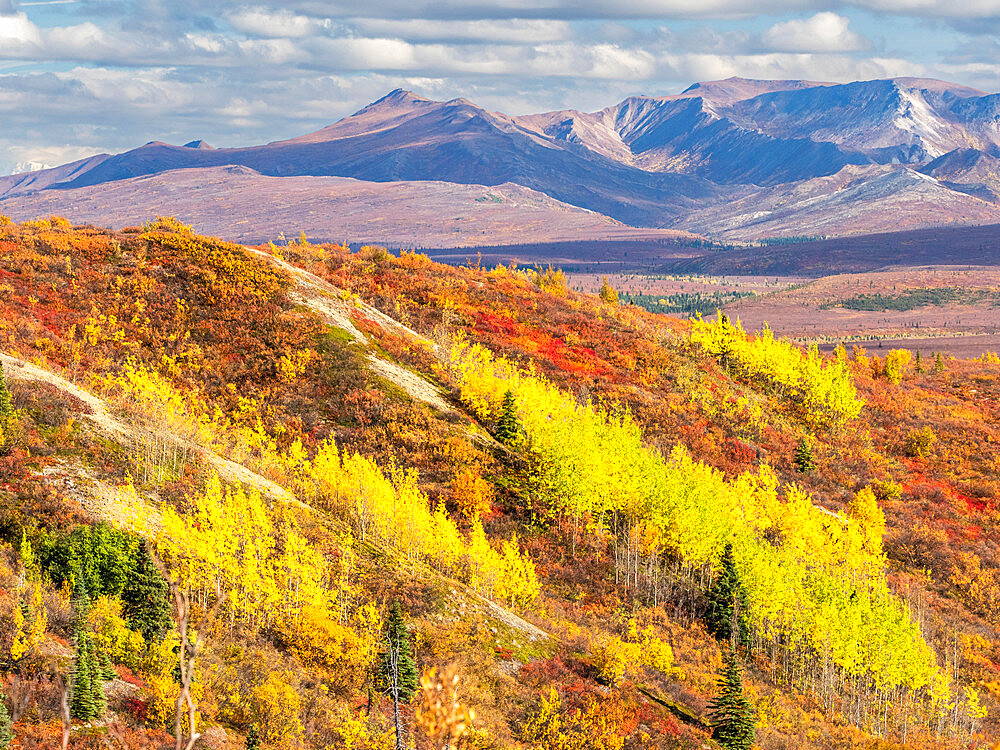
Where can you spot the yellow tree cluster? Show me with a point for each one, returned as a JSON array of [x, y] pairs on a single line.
[[896, 362], [396, 513], [231, 545], [822, 390], [392, 511], [821, 588], [31, 618], [554, 726], [618, 658]]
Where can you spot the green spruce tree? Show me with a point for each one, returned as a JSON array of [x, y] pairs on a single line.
[[508, 425], [804, 460], [88, 701], [6, 731], [97, 681], [253, 738], [81, 607], [733, 716], [938, 363], [83, 704], [6, 405], [728, 617], [146, 597], [397, 671], [107, 669], [919, 364]]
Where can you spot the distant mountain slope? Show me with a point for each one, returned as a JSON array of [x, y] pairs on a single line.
[[30, 182], [905, 120], [696, 159], [855, 200], [404, 137], [245, 206]]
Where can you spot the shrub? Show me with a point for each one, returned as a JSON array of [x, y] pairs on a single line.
[[276, 705], [919, 443], [887, 490], [608, 293]]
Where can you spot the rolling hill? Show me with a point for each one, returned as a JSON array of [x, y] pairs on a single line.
[[246, 206]]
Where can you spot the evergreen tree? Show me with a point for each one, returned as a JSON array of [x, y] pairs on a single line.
[[6, 733], [84, 702], [397, 640], [97, 681], [733, 716], [938, 363], [397, 671], [6, 405], [919, 362], [81, 608], [107, 669], [804, 460], [88, 701], [728, 617], [146, 598], [253, 738], [508, 425]]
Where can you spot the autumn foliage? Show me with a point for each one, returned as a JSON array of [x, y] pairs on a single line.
[[552, 532]]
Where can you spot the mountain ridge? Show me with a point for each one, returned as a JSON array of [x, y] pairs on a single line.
[[648, 161]]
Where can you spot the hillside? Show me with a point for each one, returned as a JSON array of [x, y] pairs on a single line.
[[735, 160], [294, 437], [246, 206]]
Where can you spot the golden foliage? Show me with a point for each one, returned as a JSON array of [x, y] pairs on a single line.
[[439, 713], [822, 390]]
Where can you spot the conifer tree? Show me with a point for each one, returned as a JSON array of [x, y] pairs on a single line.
[[253, 738], [81, 607], [146, 598], [733, 716], [919, 362], [728, 617], [88, 700], [804, 460], [84, 702], [6, 732], [508, 425], [938, 363], [97, 681], [6, 405], [397, 671], [107, 669]]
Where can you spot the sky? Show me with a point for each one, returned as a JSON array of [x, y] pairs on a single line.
[[79, 77]]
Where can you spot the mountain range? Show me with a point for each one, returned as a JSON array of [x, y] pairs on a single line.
[[736, 159]]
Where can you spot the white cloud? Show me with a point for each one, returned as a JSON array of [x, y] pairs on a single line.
[[934, 8], [779, 65], [823, 32], [515, 30], [18, 34], [274, 23]]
